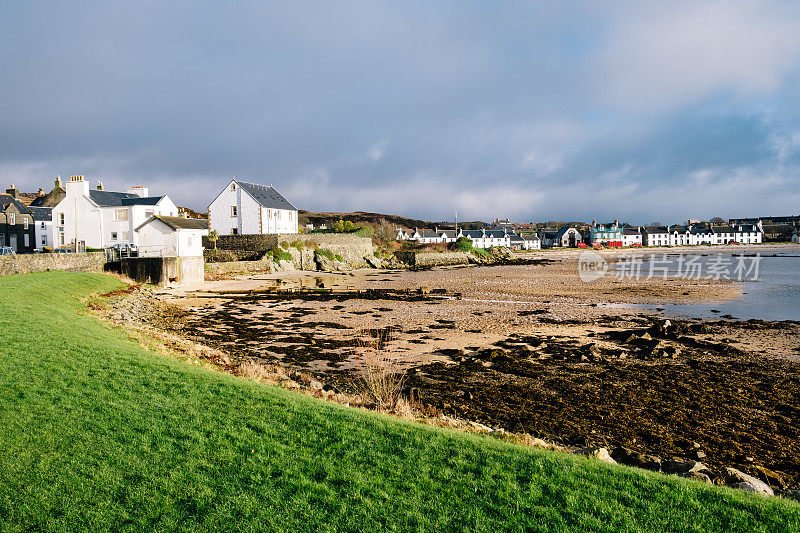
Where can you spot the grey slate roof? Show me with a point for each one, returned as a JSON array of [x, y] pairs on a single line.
[[266, 196], [630, 231], [41, 214], [473, 233], [113, 199], [7, 199], [177, 222]]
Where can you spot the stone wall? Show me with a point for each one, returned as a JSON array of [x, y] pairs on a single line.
[[350, 247], [244, 247], [24, 263], [432, 259]]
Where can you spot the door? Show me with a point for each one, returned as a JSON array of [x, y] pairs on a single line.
[[12, 242]]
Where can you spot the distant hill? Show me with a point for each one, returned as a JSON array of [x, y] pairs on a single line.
[[361, 218]]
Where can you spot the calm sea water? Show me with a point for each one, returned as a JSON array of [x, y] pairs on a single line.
[[773, 295]]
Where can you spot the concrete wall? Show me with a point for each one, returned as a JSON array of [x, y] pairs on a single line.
[[159, 270], [22, 264]]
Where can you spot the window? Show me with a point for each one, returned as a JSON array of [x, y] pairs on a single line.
[[27, 240], [235, 231], [25, 224], [120, 214], [234, 211], [149, 213], [44, 226], [61, 238], [61, 219], [13, 219], [189, 241], [125, 236], [113, 235], [2, 239], [233, 186], [44, 240]]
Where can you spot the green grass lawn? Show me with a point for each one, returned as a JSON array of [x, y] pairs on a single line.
[[97, 433]]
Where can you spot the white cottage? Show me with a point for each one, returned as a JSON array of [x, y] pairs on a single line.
[[248, 208], [171, 236], [99, 218]]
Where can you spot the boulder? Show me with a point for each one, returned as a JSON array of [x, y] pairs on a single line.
[[699, 476], [629, 457], [749, 483], [600, 454], [373, 261]]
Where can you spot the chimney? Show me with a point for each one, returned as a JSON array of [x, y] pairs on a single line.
[[40, 192], [59, 184], [99, 185], [77, 186], [138, 190], [13, 191]]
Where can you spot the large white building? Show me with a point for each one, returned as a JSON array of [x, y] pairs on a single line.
[[248, 208], [98, 218]]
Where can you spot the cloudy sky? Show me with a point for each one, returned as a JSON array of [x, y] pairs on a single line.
[[634, 110]]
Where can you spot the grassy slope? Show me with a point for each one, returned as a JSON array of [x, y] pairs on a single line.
[[97, 433]]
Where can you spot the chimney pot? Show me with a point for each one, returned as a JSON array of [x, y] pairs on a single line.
[[99, 185]]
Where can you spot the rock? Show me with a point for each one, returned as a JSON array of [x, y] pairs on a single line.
[[679, 466], [315, 385], [749, 483], [773, 478], [373, 261], [632, 458], [601, 454], [699, 476], [793, 494], [646, 337], [291, 384]]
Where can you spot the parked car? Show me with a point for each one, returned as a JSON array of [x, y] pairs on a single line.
[[7, 250], [125, 249]]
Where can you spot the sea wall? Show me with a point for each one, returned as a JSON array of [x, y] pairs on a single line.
[[350, 247], [159, 270], [24, 263], [431, 259]]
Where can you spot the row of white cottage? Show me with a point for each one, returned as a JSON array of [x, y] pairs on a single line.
[[692, 235], [481, 238], [96, 218]]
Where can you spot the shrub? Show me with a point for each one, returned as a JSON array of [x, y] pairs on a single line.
[[381, 376], [364, 231], [298, 244], [463, 244], [324, 252], [285, 245], [480, 252], [279, 255]]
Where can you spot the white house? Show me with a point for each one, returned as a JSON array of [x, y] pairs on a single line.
[[98, 218], [171, 236], [631, 236], [247, 208], [43, 226]]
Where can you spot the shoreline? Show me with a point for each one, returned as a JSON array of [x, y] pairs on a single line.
[[526, 349]]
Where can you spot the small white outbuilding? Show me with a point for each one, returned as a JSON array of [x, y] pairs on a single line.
[[162, 236]]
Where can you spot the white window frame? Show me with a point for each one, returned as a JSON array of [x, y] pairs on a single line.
[[25, 223]]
